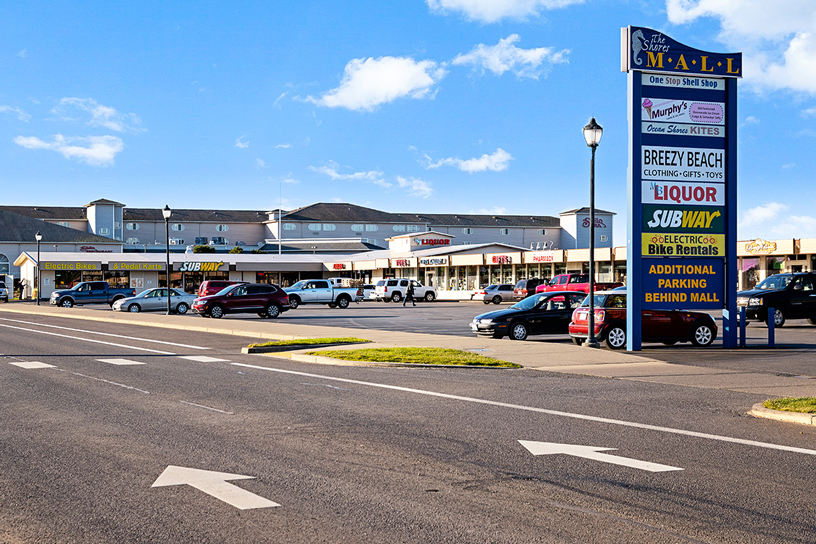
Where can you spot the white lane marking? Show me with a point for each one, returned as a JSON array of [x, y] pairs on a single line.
[[595, 419], [206, 407], [214, 484], [591, 452], [120, 362], [88, 340], [32, 364], [326, 385], [111, 383], [203, 359], [103, 334]]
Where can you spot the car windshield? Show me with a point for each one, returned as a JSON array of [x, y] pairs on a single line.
[[528, 303], [299, 285], [778, 281]]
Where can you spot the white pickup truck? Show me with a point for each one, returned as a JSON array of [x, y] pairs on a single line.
[[394, 289], [329, 291]]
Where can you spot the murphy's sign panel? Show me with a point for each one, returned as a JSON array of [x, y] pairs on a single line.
[[648, 50], [683, 219], [682, 111]]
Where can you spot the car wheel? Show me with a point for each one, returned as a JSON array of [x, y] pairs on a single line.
[[134, 308], [673, 342], [702, 335], [779, 317], [519, 331], [429, 297], [67, 303], [497, 299], [217, 312], [396, 297], [182, 308], [343, 302], [273, 311], [112, 302], [616, 336], [811, 320], [578, 341], [294, 302], [487, 302]]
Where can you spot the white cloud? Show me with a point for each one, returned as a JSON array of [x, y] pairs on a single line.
[[497, 210], [810, 112], [290, 180], [779, 50], [260, 163], [22, 53], [283, 146], [490, 11], [788, 166], [21, 115], [505, 56], [93, 150], [415, 187], [368, 83], [750, 120], [795, 226], [373, 176], [495, 162], [760, 214], [102, 116], [240, 143]]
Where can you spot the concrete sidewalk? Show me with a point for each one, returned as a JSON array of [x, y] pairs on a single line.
[[544, 356]]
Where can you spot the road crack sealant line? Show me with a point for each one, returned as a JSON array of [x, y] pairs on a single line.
[[558, 413]]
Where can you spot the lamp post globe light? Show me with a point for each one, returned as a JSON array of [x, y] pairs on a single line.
[[38, 236], [166, 212], [592, 135]]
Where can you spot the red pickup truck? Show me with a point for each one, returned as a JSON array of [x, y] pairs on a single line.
[[574, 282]]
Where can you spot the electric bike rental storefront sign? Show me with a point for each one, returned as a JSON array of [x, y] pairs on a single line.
[[682, 230]]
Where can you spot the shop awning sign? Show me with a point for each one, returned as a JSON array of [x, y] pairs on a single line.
[[198, 266]]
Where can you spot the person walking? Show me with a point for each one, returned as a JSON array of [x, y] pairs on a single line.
[[409, 294]]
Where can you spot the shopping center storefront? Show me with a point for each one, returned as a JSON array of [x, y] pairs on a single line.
[[454, 270]]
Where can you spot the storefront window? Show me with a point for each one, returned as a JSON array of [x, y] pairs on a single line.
[[65, 279], [521, 272], [749, 272], [484, 276], [495, 274], [507, 273], [776, 265], [117, 279], [4, 264], [620, 272]]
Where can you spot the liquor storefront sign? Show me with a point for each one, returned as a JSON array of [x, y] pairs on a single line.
[[682, 178]]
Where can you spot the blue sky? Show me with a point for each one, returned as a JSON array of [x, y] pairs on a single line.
[[435, 106]]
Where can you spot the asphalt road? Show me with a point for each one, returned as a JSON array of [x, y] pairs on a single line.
[[360, 454]]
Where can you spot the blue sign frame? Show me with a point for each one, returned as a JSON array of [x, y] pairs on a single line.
[[682, 110]]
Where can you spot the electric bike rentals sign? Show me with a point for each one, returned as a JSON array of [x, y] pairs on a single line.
[[682, 229]]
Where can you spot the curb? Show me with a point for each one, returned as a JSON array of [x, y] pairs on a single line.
[[296, 347], [758, 410], [319, 359]]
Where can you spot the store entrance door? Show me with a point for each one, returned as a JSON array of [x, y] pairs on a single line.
[[429, 277]]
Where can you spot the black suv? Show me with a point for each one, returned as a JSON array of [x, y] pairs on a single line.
[[791, 296], [526, 288]]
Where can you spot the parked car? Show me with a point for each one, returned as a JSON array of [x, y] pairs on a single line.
[[155, 300], [211, 287], [575, 282], [90, 292], [394, 289], [666, 326], [790, 295], [265, 299], [496, 293], [329, 291], [368, 291], [547, 313], [4, 294], [526, 288]]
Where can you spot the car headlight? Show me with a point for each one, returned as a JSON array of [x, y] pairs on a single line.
[[755, 301]]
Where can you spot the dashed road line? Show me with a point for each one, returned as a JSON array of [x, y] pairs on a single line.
[[203, 359], [32, 365], [120, 362]]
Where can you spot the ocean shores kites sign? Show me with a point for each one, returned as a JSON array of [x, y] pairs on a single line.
[[682, 178]]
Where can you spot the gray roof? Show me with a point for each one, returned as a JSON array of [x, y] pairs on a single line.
[[51, 213], [341, 212], [199, 216], [330, 247], [474, 220], [585, 209], [18, 228]]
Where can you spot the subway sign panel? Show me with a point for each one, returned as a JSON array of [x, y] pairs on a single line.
[[682, 178]]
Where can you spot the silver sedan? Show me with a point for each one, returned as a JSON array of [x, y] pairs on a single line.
[[496, 293], [155, 300]]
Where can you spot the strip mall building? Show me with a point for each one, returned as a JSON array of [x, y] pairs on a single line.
[[454, 253]]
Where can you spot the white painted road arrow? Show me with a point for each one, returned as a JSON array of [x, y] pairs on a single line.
[[214, 484], [590, 452]]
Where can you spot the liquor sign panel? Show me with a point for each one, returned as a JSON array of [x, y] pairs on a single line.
[[682, 178], [682, 284]]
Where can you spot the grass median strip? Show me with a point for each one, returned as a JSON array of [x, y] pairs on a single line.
[[419, 356], [311, 342], [805, 405]]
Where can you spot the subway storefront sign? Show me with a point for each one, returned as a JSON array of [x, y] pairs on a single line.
[[683, 284], [197, 266]]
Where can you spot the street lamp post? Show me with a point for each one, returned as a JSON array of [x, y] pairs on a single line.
[[592, 134], [38, 236], [166, 212]]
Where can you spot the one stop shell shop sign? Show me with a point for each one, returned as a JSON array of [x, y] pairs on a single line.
[[682, 284]]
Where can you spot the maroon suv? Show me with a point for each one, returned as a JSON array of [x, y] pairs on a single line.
[[211, 287], [262, 298]]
